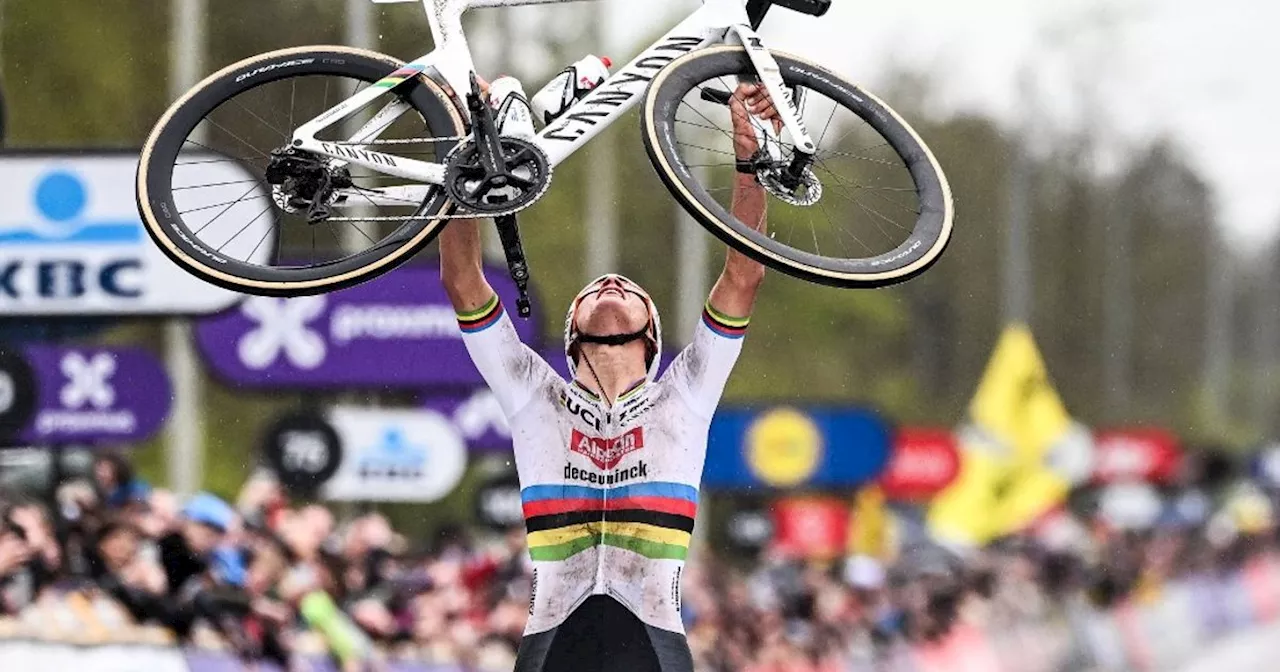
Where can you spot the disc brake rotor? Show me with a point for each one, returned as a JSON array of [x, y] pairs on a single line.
[[807, 193]]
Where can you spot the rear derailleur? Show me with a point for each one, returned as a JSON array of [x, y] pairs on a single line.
[[304, 183]]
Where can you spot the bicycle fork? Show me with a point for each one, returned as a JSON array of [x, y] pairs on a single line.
[[789, 106]]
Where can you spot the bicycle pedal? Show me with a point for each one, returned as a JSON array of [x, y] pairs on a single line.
[[523, 307]]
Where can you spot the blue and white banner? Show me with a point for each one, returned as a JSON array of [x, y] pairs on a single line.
[[72, 243], [395, 455]]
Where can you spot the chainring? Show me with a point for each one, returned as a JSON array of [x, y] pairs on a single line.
[[528, 175]]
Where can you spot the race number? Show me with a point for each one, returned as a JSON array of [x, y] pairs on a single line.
[[303, 450]]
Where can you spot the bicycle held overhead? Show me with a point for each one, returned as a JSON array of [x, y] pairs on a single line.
[[360, 159]]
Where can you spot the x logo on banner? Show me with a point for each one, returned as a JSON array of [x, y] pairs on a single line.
[[88, 380], [282, 328]]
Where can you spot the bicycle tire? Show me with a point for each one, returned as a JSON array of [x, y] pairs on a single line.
[[159, 212], [932, 229]]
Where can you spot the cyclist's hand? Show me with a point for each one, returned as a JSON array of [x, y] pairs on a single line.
[[750, 100]]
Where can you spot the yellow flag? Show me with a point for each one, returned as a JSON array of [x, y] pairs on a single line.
[[1016, 402], [869, 533], [1019, 453]]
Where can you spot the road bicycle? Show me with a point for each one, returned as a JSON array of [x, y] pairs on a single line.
[[360, 159]]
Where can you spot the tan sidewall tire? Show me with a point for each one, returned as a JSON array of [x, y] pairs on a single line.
[[160, 234]]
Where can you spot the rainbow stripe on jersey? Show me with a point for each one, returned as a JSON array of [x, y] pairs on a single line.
[[479, 320], [729, 327], [652, 519]]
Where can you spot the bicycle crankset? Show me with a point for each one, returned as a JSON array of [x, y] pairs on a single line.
[[518, 183]]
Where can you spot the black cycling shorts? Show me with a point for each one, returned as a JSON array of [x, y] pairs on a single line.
[[601, 635]]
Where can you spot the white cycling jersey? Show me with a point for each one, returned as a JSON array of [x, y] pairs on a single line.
[[609, 494]]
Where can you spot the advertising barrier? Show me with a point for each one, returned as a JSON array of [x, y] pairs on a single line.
[[398, 330], [71, 242], [787, 447], [88, 395], [1147, 454], [924, 461], [24, 655], [811, 527], [395, 456]]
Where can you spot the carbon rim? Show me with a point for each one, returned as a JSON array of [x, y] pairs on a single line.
[[169, 140], [924, 236]]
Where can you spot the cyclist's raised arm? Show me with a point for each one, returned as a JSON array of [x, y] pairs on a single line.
[[512, 371], [703, 368], [734, 294], [462, 266]]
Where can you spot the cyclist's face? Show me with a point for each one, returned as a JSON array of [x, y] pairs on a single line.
[[612, 307]]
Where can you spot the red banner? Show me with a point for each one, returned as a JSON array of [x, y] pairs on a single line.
[[811, 527], [1143, 454], [924, 461]]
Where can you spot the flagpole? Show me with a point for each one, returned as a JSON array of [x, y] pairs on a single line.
[[185, 464]]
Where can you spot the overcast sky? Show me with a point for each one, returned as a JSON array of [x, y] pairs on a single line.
[[1204, 72]]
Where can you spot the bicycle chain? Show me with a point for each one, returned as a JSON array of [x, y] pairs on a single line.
[[406, 141], [456, 215], [457, 208]]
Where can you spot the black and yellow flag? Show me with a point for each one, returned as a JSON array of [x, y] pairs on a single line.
[[1020, 450]]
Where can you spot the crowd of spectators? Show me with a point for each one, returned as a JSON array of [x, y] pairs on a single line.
[[265, 580]]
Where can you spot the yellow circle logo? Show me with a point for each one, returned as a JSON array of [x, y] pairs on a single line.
[[784, 447]]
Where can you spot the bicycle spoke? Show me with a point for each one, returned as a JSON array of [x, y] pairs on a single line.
[[217, 205], [293, 93], [265, 236], [705, 149], [213, 184], [230, 157], [197, 163], [264, 121], [823, 135], [871, 190], [244, 142], [230, 205], [865, 158], [245, 227]]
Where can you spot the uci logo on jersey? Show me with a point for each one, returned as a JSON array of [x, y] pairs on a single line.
[[62, 218]]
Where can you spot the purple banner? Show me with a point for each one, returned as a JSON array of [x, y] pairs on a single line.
[[96, 394], [398, 330]]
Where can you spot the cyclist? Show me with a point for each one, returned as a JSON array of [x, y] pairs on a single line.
[[610, 461]]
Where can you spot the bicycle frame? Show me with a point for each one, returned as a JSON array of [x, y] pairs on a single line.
[[716, 22]]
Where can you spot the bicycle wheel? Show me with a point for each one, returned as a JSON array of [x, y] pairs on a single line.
[[875, 209], [219, 203]]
